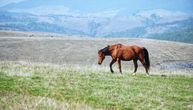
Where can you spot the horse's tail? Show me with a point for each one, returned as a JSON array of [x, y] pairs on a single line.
[[146, 55]]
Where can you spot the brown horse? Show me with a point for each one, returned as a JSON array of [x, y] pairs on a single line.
[[120, 52]]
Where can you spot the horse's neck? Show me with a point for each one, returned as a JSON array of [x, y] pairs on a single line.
[[114, 49], [109, 52]]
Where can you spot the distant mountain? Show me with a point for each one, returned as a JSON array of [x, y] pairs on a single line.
[[152, 26], [177, 31], [181, 31], [29, 22]]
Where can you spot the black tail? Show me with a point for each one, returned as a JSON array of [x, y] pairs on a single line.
[[146, 55]]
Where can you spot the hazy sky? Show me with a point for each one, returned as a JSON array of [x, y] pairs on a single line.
[[121, 7]]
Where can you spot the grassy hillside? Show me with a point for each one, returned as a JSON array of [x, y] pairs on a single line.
[[45, 86], [40, 71], [18, 46]]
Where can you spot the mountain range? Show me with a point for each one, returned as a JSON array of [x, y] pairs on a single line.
[[138, 25]]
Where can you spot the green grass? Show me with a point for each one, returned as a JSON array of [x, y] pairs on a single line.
[[93, 88]]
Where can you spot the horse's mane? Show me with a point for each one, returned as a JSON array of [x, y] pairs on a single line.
[[104, 50]]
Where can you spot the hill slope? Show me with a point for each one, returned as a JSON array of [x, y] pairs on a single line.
[[79, 84], [71, 50]]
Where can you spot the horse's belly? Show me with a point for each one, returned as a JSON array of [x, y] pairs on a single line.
[[126, 54], [127, 59]]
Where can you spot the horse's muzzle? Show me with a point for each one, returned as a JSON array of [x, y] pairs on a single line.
[[99, 63]]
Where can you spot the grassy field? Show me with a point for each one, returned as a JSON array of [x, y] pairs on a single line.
[[25, 85], [46, 71]]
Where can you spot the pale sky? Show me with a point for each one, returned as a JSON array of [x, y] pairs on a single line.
[[121, 7]]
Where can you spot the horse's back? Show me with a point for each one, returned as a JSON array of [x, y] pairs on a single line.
[[117, 46], [134, 48], [128, 52]]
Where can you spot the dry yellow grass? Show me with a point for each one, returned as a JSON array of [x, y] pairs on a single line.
[[19, 46]]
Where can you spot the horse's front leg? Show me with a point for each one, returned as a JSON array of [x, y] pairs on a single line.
[[119, 64], [112, 62]]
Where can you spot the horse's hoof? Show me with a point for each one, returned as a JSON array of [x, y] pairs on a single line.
[[133, 74], [147, 74]]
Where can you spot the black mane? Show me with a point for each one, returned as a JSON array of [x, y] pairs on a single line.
[[105, 50]]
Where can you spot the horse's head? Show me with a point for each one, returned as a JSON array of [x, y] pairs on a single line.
[[102, 53], [101, 57]]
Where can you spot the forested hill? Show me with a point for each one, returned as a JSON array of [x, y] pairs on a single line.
[[153, 27]]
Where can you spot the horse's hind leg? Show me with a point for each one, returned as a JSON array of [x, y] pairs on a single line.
[[135, 65], [143, 63], [112, 62]]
